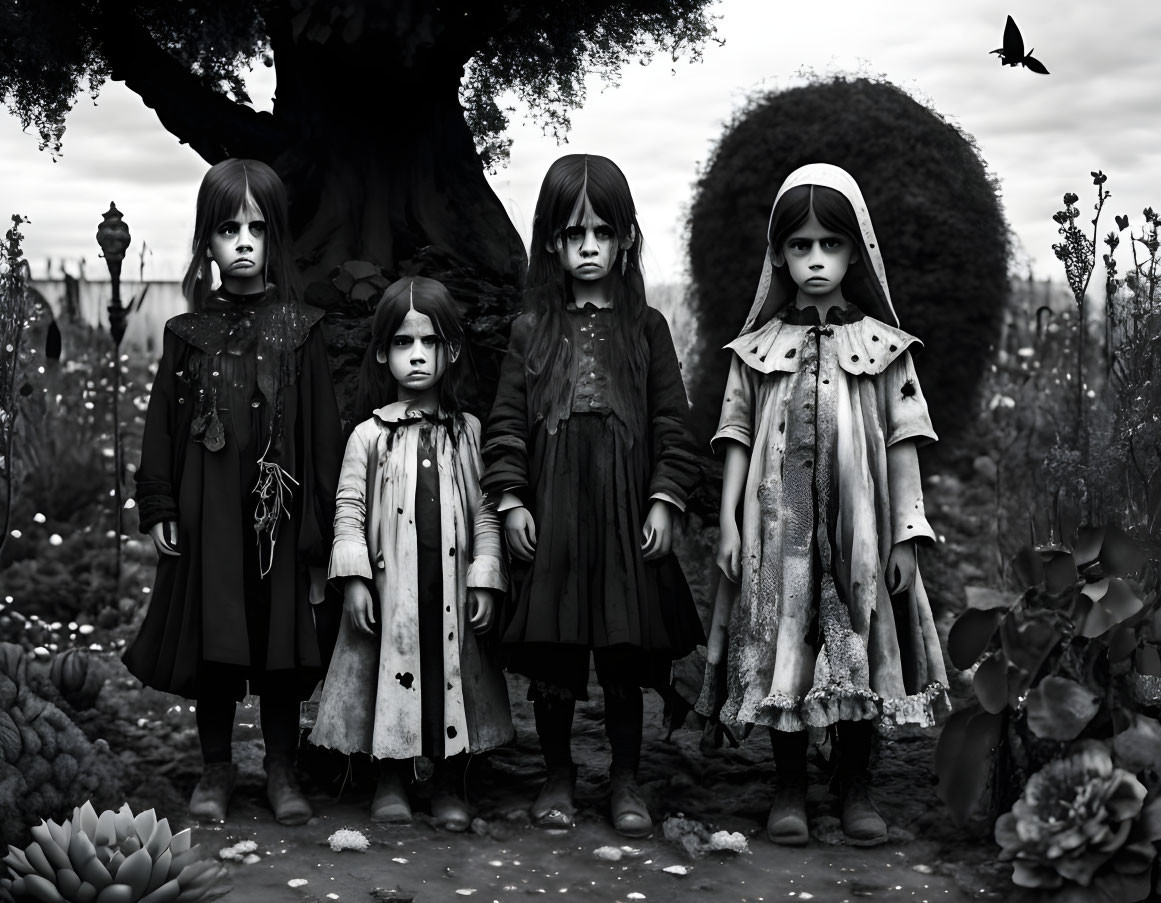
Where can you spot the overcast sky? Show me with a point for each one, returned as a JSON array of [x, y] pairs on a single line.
[[1041, 135]]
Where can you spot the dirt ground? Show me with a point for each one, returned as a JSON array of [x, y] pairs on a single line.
[[503, 858]]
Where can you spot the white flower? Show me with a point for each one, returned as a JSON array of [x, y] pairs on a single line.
[[346, 839]]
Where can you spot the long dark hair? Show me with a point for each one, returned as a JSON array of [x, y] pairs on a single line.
[[834, 212], [548, 288], [224, 190], [377, 386]]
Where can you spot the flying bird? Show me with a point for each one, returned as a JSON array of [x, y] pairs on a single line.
[[1012, 53]]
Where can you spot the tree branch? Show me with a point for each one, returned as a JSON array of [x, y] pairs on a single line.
[[212, 124]]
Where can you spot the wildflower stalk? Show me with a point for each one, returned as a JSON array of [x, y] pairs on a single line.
[[1078, 254], [13, 318]]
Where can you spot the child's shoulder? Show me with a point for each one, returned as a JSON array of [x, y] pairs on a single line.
[[867, 347]]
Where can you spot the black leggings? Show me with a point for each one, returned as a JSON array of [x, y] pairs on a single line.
[[553, 707], [854, 742], [216, 707]]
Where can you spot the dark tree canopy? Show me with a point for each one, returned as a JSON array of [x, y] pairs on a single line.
[[935, 209], [380, 136]]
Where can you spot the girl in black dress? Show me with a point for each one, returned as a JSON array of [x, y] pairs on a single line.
[[236, 486], [589, 452]]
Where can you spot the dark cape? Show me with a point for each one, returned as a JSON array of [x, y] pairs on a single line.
[[242, 447]]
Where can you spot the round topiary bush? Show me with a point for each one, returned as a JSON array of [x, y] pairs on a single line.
[[935, 208]]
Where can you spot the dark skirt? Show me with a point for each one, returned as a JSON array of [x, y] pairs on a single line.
[[588, 586]]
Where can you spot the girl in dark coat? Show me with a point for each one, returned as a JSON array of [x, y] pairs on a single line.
[[589, 450], [239, 463]]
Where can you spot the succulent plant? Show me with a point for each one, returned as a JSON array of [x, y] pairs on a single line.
[[47, 764], [77, 676], [114, 857]]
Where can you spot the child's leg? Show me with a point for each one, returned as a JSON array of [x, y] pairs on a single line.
[[215, 720], [279, 715], [214, 714], [623, 718], [787, 824], [553, 707], [861, 821], [447, 801], [390, 804]]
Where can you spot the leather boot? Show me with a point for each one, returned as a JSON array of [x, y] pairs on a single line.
[[285, 796], [390, 805], [554, 806], [630, 815], [211, 796], [447, 808], [787, 824], [862, 823]]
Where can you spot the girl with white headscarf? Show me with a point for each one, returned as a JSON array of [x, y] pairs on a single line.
[[822, 507]]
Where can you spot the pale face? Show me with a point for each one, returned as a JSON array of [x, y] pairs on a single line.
[[588, 249], [417, 357], [817, 258], [238, 247]]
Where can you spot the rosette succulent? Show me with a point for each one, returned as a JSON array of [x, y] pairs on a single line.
[[1082, 830], [116, 857]]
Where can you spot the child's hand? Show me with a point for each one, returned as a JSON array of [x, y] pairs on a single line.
[[481, 609], [657, 534], [901, 567], [359, 605], [520, 531], [730, 551], [164, 537]]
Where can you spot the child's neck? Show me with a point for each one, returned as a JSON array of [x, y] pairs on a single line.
[[821, 303], [426, 401], [251, 285], [594, 293]]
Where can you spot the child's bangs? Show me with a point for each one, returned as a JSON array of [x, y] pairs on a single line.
[[611, 203], [435, 301], [228, 198], [833, 211]]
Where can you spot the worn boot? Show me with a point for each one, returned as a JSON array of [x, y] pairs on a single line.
[[211, 796], [390, 805], [862, 823], [554, 806], [787, 824], [447, 808], [282, 790], [629, 813]]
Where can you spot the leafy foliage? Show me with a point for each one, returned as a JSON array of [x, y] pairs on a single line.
[[47, 50], [47, 764], [14, 311], [1069, 659], [546, 50], [935, 210]]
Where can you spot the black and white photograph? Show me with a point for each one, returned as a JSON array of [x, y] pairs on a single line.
[[670, 450]]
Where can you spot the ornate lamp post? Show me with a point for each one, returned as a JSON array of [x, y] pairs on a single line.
[[113, 237]]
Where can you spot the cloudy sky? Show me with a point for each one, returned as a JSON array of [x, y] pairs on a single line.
[[1041, 135]]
